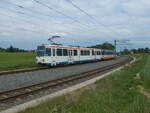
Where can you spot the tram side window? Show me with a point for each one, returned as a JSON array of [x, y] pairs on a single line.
[[65, 52], [59, 52], [103, 53], [93, 53], [111, 53], [48, 51], [98, 53], [107, 53], [53, 51], [85, 53], [75, 52], [88, 53], [82, 53]]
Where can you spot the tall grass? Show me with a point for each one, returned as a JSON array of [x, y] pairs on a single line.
[[116, 93], [145, 74], [9, 61]]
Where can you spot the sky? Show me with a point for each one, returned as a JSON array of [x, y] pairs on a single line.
[[28, 23]]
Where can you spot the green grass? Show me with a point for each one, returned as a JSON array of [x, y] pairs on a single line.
[[145, 74], [117, 93], [10, 61]]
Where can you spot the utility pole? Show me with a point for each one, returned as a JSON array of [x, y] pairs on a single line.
[[121, 42], [115, 43]]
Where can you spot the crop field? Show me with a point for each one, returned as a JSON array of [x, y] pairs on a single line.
[[20, 60], [125, 91]]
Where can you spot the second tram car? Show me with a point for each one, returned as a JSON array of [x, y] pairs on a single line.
[[53, 55]]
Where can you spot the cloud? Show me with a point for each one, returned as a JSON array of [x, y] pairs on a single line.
[[137, 8], [113, 19]]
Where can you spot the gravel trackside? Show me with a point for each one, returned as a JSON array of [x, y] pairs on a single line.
[[13, 81]]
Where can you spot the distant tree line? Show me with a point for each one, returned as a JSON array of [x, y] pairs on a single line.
[[110, 46], [11, 49], [136, 51], [105, 45], [2, 49]]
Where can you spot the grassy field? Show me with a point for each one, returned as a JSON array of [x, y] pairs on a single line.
[[10, 61], [117, 93]]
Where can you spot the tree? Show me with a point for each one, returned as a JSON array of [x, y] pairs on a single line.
[[2, 49], [108, 46], [141, 50], [105, 45], [146, 50], [10, 49], [126, 51], [134, 51]]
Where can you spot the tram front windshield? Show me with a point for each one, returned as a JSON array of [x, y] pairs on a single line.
[[40, 51]]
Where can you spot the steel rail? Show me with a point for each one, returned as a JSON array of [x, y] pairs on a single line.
[[2, 73], [11, 95]]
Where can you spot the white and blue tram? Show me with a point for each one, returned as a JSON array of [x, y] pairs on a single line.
[[53, 55]]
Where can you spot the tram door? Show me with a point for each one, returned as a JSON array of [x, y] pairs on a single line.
[[70, 56], [53, 56]]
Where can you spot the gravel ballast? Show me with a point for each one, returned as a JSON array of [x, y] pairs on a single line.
[[13, 81]]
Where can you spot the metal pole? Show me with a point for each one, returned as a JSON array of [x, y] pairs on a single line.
[[115, 43]]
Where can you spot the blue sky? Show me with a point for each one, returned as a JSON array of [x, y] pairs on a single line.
[[26, 24]]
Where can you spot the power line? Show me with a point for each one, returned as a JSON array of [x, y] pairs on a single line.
[[22, 13], [29, 30], [59, 12], [25, 21], [69, 1], [89, 15], [30, 23], [51, 9], [22, 7]]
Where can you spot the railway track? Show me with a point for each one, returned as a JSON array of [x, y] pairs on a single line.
[[24, 92], [21, 70], [2, 73]]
